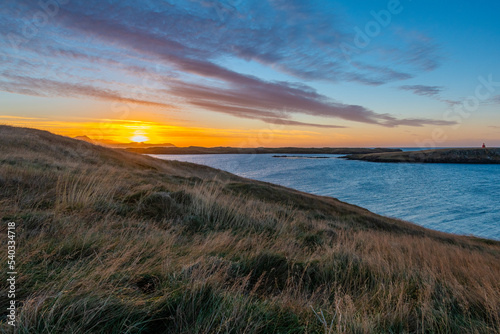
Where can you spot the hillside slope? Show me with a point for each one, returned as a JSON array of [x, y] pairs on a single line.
[[115, 242]]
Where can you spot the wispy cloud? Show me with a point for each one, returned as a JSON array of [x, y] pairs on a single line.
[[46, 87], [493, 100], [280, 100], [423, 90], [419, 50], [19, 117]]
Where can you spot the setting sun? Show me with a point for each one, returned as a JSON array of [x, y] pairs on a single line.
[[139, 138]]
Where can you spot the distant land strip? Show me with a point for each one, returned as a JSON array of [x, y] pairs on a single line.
[[298, 157], [447, 155], [258, 150]]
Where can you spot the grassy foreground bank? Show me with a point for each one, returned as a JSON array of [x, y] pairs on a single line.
[[115, 242]]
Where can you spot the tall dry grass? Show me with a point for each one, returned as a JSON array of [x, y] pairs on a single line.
[[84, 189]]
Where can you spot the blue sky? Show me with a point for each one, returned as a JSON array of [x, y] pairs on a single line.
[[317, 73]]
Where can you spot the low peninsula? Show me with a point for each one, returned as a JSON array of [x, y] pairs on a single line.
[[258, 150], [447, 155]]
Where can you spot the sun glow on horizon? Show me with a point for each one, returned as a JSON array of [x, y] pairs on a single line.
[[140, 135], [139, 138], [123, 131]]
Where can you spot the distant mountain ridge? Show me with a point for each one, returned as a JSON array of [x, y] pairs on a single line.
[[257, 150]]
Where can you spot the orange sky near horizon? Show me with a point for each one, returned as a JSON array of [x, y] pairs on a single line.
[[153, 132]]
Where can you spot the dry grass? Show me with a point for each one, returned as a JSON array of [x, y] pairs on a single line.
[[113, 242]]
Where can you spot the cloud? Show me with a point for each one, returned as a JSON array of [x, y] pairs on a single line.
[[418, 50], [383, 74], [301, 39], [432, 92], [112, 46], [451, 103], [18, 117], [46, 87], [252, 98], [493, 100], [423, 55], [423, 90]]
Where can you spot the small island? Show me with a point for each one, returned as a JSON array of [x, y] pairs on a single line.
[[447, 155]]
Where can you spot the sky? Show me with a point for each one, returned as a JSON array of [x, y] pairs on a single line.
[[254, 73]]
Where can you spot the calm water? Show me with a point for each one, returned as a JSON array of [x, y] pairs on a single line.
[[456, 198]]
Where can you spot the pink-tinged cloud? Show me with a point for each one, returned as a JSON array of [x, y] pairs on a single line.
[[46, 87]]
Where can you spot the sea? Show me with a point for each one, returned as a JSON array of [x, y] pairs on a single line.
[[456, 198]]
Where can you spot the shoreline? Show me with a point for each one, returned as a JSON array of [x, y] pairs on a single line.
[[448, 155], [257, 150], [359, 197]]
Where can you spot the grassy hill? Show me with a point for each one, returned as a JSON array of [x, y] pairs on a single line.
[[445, 155], [115, 242]]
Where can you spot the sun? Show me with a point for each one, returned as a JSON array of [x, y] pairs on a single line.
[[139, 137]]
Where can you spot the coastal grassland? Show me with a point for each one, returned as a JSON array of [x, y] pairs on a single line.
[[114, 242]]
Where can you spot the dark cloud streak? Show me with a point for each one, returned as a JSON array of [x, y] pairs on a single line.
[[423, 90]]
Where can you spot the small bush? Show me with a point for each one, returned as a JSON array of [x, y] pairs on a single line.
[[146, 283], [193, 223], [159, 206]]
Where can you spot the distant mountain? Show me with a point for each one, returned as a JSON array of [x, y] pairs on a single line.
[[115, 144], [84, 138], [143, 145], [257, 150]]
